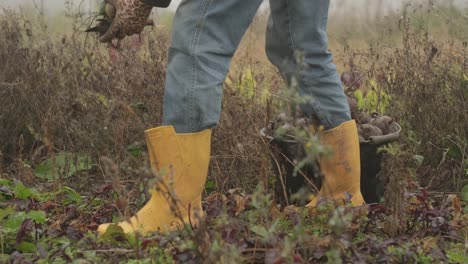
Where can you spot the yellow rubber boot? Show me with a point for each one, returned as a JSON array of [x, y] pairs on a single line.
[[342, 169], [184, 158]]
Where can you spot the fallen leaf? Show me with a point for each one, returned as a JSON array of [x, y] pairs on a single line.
[[430, 243]]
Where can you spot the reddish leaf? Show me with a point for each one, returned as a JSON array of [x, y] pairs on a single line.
[[73, 233], [104, 188], [26, 226]]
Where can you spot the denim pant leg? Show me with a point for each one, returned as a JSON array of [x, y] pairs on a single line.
[[297, 44], [205, 35]]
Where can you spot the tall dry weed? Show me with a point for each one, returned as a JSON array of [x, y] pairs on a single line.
[[425, 81], [70, 94]]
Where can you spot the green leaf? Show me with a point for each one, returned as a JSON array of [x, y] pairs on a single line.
[[455, 257], [5, 193], [260, 230], [132, 239], [135, 150], [89, 254], [14, 221], [112, 232], [140, 106], [419, 160], [6, 212], [140, 261], [464, 193], [246, 84], [91, 95], [210, 186], [26, 247], [5, 182], [376, 100], [73, 196], [66, 164], [4, 258], [38, 216], [22, 192], [456, 254], [360, 99]]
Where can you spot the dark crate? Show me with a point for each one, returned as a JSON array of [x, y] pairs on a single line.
[[308, 180]]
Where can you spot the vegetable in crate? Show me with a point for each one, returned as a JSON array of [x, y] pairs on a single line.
[[382, 122]]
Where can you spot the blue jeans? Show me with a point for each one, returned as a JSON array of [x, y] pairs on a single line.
[[206, 34]]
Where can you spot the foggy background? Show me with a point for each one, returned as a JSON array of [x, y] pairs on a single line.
[[52, 7]]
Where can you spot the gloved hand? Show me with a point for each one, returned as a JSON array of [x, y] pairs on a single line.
[[125, 17]]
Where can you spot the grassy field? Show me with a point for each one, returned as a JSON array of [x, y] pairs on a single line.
[[72, 151]]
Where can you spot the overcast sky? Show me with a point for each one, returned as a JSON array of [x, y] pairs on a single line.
[[54, 6]]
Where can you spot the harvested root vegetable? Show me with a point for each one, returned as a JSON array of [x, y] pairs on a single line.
[[368, 126], [367, 130], [363, 117], [283, 123], [286, 129], [281, 120], [302, 122], [382, 122], [282, 117], [299, 113]]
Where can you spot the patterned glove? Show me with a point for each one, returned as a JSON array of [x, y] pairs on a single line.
[[124, 17]]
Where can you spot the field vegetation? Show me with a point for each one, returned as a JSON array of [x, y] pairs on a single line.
[[72, 150]]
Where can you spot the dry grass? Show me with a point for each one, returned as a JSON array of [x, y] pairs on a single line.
[[64, 94], [426, 80], [67, 95]]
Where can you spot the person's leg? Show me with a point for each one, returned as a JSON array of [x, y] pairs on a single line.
[[297, 44], [205, 36]]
